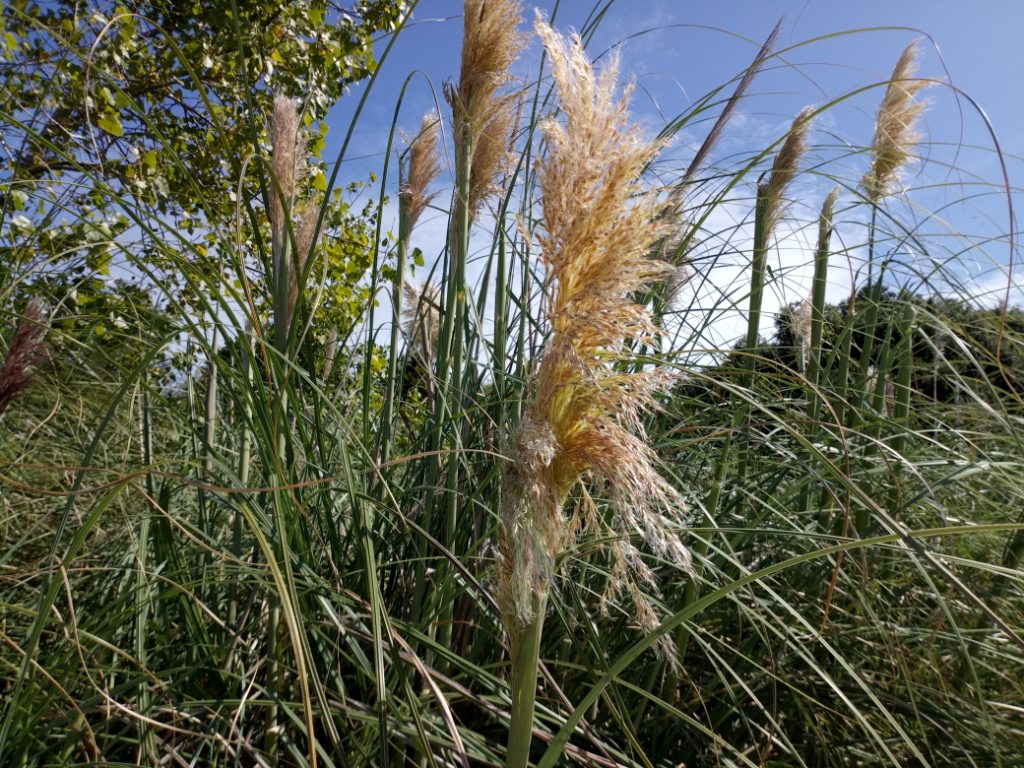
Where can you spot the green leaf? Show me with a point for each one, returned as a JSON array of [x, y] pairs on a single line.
[[111, 124]]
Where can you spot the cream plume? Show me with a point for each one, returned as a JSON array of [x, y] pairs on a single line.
[[420, 170], [483, 115], [896, 133]]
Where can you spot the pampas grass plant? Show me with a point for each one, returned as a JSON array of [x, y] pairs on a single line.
[[619, 524], [23, 352], [586, 415]]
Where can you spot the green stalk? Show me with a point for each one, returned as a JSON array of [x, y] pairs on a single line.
[[901, 412], [500, 333], [396, 322], [885, 362], [282, 276], [758, 268], [848, 403], [275, 662], [821, 254], [871, 319], [147, 740], [456, 312], [374, 273], [442, 366], [818, 287], [244, 460], [525, 663]]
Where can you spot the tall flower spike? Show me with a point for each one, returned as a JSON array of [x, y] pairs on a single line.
[[304, 230], [600, 223], [896, 133], [801, 330], [784, 169], [730, 108], [493, 156], [286, 165], [421, 170], [16, 371], [421, 311], [491, 43]]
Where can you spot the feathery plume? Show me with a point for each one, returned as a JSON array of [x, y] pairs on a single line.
[[599, 226], [784, 170], [420, 170], [286, 165], [493, 153], [421, 310], [482, 116], [491, 43], [304, 230], [801, 329], [16, 371], [825, 218], [896, 133]]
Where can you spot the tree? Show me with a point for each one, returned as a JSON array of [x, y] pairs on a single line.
[[129, 128]]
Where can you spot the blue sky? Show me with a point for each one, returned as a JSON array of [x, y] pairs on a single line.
[[676, 51], [679, 49]]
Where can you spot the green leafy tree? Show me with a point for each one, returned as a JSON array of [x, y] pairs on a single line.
[[129, 129]]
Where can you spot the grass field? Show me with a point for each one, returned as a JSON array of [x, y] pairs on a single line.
[[521, 509]]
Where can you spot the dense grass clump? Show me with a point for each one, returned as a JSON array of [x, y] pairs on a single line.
[[271, 499]]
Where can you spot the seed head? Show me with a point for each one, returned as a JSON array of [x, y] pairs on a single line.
[[801, 330], [600, 223], [421, 170], [896, 134], [483, 116], [26, 346], [304, 230], [421, 310], [730, 106], [784, 169], [286, 165], [491, 42]]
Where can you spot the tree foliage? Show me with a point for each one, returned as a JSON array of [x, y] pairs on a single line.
[[130, 129]]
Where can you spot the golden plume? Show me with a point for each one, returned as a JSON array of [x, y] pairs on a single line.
[[784, 169], [600, 223]]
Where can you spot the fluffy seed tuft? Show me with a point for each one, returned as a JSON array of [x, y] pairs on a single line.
[[26, 346], [600, 223], [422, 168], [784, 169], [896, 133], [482, 115], [421, 311]]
